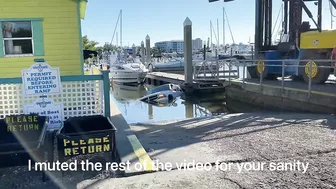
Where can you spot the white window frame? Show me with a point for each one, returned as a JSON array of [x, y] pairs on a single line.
[[16, 38]]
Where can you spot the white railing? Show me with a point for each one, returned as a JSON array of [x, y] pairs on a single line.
[[82, 95], [79, 98]]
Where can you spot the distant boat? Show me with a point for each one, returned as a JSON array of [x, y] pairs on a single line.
[[173, 63]]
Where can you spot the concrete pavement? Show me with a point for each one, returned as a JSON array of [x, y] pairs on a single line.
[[275, 140]]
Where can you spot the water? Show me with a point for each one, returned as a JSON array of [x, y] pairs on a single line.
[[135, 111]]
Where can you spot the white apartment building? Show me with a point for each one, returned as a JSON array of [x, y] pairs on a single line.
[[197, 44], [177, 45]]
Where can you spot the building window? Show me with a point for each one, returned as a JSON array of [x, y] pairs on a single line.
[[17, 38], [21, 37]]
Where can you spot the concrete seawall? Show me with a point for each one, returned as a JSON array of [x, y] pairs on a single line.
[[288, 99]]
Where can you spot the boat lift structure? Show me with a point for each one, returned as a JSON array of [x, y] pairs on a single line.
[[308, 52]]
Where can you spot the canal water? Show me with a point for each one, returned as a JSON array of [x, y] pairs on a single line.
[[135, 111]]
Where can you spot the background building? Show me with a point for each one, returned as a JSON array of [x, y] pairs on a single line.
[[177, 45], [197, 44], [171, 46]]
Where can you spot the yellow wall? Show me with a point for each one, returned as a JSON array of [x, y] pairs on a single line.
[[61, 35]]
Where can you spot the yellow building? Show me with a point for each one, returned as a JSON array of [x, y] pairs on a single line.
[[49, 29]]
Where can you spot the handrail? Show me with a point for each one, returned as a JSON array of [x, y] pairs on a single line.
[[267, 63]]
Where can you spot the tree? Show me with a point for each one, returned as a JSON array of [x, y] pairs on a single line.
[[109, 48], [88, 44], [156, 51]]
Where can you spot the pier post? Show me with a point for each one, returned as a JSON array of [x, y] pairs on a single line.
[[150, 112], [188, 64], [142, 52], [106, 86], [133, 51], [189, 109], [148, 55]]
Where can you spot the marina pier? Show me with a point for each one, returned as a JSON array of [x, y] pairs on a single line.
[[232, 76], [179, 114]]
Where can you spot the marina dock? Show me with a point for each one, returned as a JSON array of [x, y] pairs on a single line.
[[159, 78], [86, 120], [292, 96]]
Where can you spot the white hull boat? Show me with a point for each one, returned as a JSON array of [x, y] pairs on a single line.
[[128, 72], [163, 94], [127, 77]]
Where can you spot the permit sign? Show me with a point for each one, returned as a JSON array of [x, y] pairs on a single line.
[[46, 107], [41, 79]]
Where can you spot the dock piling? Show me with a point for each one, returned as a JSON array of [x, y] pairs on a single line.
[[142, 51], [133, 51], [188, 64], [148, 53]]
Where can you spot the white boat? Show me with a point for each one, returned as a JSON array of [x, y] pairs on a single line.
[[163, 94], [128, 73], [124, 70]]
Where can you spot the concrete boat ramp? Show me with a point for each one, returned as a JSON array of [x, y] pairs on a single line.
[[252, 150]]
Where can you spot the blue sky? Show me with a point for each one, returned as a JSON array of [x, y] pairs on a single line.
[[163, 20]]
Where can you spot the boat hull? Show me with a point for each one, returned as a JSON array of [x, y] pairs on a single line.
[[127, 77]]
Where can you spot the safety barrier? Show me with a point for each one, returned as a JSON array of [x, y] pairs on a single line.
[[311, 69], [214, 70], [82, 95]]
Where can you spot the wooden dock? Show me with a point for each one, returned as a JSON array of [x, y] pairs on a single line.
[[159, 78]]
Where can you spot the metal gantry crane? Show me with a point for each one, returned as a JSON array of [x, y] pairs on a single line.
[[300, 41]]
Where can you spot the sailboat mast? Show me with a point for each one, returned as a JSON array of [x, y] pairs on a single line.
[[121, 29], [223, 27], [210, 35], [117, 39], [217, 35]]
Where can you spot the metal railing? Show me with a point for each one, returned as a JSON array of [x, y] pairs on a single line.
[[285, 65], [215, 70], [82, 95]]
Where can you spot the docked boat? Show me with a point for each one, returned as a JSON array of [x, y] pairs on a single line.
[[123, 69], [163, 94], [128, 72]]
